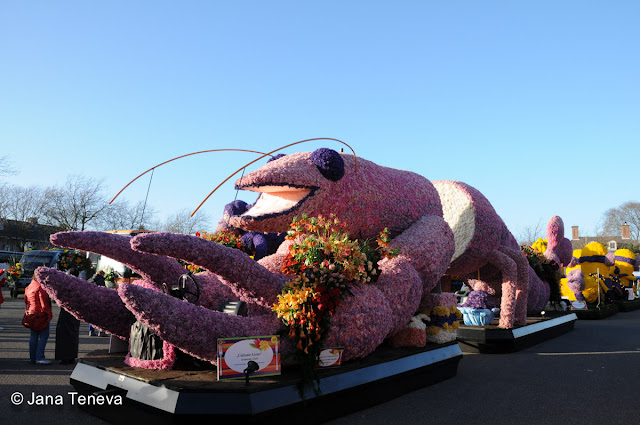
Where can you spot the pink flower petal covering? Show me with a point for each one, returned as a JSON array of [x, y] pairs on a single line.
[[440, 228]]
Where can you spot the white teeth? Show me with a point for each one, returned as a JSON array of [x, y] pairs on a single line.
[[275, 199]]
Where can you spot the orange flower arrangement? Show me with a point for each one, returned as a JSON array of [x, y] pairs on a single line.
[[325, 263]]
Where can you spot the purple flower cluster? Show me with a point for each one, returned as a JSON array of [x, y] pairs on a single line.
[[329, 163], [479, 299]]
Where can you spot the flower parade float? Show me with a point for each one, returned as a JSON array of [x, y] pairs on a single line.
[[434, 229], [600, 281], [543, 323], [625, 263]]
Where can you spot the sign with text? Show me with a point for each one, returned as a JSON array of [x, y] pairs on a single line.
[[578, 305], [631, 296], [330, 357], [234, 355]]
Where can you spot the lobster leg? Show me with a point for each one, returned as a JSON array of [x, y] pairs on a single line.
[[151, 267], [522, 282], [93, 304], [246, 277], [428, 238], [509, 271], [192, 328]]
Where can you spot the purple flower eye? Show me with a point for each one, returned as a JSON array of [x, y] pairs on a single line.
[[329, 163], [236, 207]]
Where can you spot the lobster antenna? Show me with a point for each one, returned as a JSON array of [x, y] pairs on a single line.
[[234, 199], [144, 207], [355, 159], [182, 156]]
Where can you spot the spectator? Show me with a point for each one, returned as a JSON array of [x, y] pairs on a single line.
[[98, 278], [3, 279], [67, 334], [37, 300]]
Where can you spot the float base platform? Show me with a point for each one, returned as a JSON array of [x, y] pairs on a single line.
[[625, 306], [188, 396], [492, 339], [601, 312]]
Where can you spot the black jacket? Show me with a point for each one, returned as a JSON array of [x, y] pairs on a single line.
[[97, 279]]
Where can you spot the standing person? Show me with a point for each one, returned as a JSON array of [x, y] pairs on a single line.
[[67, 334], [98, 280], [37, 300], [3, 279]]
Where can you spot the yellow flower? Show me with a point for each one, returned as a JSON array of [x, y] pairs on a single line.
[[441, 311], [433, 330]]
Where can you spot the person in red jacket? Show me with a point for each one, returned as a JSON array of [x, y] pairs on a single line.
[[36, 300]]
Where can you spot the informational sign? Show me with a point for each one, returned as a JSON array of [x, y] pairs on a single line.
[[578, 305], [234, 355], [631, 295], [330, 357]]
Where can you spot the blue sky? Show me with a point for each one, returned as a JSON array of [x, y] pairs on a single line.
[[535, 104]]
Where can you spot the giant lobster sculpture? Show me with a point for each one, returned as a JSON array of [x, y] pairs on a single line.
[[440, 228]]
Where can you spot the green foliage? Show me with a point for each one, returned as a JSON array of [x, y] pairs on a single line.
[[111, 275], [634, 247], [545, 269]]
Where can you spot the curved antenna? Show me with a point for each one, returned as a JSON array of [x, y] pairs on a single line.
[[182, 156], [269, 153]]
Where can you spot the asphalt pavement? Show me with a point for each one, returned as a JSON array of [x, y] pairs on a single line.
[[20, 378], [587, 376]]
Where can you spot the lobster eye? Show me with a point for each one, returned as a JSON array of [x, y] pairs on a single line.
[[236, 207], [329, 163]]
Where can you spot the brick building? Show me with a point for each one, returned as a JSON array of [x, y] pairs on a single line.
[[612, 243], [19, 236]]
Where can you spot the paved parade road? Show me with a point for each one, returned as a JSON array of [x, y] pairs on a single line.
[[18, 375], [588, 376]]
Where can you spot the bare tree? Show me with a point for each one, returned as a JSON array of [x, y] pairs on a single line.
[[181, 222], [528, 235], [78, 204], [4, 200], [6, 166], [22, 203], [627, 213], [120, 215], [21, 214]]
